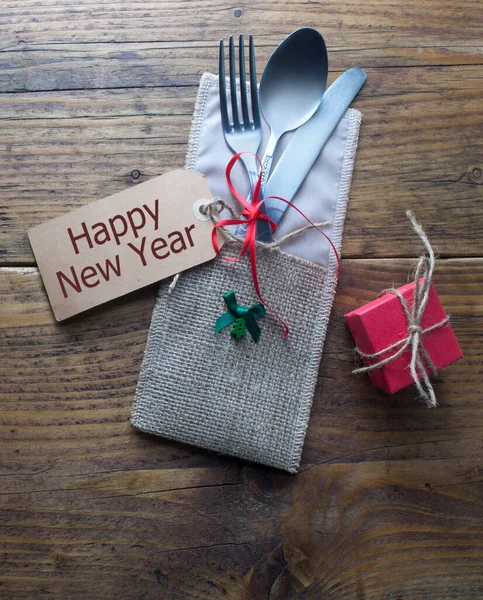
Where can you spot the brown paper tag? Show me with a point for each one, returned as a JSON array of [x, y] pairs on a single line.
[[124, 242]]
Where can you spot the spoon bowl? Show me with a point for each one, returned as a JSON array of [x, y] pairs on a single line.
[[292, 86]]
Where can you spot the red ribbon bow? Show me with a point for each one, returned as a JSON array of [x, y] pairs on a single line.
[[251, 213]]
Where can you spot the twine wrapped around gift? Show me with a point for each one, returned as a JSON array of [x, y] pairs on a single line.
[[419, 355]]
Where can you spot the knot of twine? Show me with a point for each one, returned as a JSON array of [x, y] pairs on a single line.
[[214, 207], [420, 359]]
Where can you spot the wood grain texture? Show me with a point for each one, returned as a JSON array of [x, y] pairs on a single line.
[[420, 148], [388, 504], [88, 93], [389, 501], [378, 23]]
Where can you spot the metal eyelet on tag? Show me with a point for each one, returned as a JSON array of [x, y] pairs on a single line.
[[197, 210]]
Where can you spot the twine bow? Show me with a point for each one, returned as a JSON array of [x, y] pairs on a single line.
[[420, 359], [235, 311]]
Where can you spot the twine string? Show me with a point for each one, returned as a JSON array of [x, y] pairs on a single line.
[[420, 360], [216, 205]]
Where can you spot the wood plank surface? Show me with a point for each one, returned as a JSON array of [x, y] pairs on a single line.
[[416, 23], [62, 150], [89, 93], [389, 501]]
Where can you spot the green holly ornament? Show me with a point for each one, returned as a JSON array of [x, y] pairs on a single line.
[[241, 318], [239, 328]]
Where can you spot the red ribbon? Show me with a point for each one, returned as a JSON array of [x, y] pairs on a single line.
[[251, 213]]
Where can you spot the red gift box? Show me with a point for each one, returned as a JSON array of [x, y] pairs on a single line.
[[383, 322]]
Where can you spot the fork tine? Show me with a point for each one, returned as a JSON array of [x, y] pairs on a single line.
[[222, 85], [253, 85], [234, 102], [243, 84]]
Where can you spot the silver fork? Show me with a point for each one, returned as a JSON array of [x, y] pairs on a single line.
[[243, 135]]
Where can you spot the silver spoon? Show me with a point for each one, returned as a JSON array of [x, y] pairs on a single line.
[[292, 86]]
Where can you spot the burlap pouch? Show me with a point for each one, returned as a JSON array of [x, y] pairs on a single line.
[[237, 397]]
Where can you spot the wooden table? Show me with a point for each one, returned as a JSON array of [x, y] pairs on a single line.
[[97, 95]]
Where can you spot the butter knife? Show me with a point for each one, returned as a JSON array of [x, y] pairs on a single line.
[[307, 142]]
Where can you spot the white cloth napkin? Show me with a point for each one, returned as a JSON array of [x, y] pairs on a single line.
[[322, 197]]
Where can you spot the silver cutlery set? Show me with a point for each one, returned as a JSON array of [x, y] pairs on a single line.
[[291, 97]]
